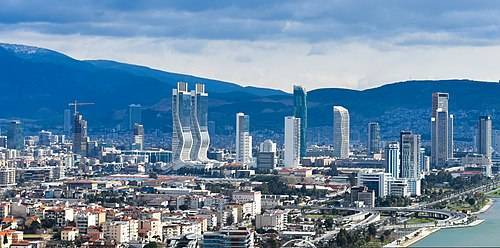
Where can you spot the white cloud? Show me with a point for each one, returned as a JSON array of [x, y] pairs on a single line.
[[281, 63]]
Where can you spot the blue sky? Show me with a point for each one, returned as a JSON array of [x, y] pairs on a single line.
[[353, 44]]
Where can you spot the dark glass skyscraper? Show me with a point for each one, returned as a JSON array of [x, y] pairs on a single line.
[[300, 111], [15, 137], [373, 138], [80, 138]]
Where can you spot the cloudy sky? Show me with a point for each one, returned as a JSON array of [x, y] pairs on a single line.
[[352, 44]]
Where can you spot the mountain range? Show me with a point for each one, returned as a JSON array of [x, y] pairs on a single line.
[[37, 84]]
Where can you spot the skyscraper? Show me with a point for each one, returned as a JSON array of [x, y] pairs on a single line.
[[134, 115], [410, 155], [373, 138], [199, 125], [300, 111], [15, 136], [138, 138], [243, 139], [80, 138], [190, 139], [391, 154], [341, 132], [67, 121], [292, 141], [484, 135], [410, 164], [441, 130]]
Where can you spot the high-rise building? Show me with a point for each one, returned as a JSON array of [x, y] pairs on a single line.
[[80, 136], [341, 132], [300, 111], [67, 121], [410, 161], [134, 115], [138, 138], [243, 139], [410, 154], [485, 135], [441, 130], [373, 138], [190, 139], [15, 136], [199, 125], [391, 154], [292, 141], [450, 136]]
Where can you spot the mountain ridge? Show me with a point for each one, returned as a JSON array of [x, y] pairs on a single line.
[[38, 83]]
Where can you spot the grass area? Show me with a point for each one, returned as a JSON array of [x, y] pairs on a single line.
[[494, 194], [420, 221], [320, 216], [465, 207]]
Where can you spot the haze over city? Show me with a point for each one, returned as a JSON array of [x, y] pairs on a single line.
[[319, 44]]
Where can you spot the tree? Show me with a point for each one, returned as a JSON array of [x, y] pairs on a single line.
[[372, 230], [329, 222], [151, 245]]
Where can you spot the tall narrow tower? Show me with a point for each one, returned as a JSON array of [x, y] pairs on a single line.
[[80, 136], [199, 124], [15, 136], [341, 132], [373, 138], [485, 136], [292, 141], [243, 139], [182, 138], [441, 130], [300, 111]]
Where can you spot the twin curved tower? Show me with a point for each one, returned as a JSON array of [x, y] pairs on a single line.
[[190, 139]]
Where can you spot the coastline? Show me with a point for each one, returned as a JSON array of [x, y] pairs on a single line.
[[423, 232], [488, 205]]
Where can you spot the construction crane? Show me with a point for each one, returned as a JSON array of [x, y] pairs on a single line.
[[75, 104]]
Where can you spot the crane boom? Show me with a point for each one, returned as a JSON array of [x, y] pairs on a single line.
[[75, 104]]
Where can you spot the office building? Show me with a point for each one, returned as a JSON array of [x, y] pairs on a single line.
[[376, 181], [45, 138], [190, 139], [67, 121], [15, 136], [341, 132], [7, 176], [399, 187], [138, 139], [80, 136], [441, 130], [243, 139], [373, 138], [485, 134], [300, 111], [229, 238], [410, 161], [410, 154], [266, 158], [391, 154], [292, 141], [134, 115]]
